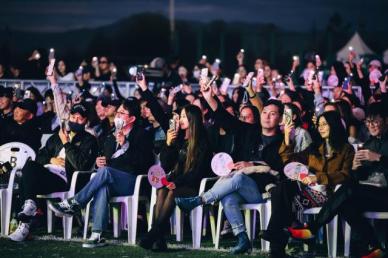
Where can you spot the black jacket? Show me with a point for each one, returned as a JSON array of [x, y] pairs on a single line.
[[249, 145], [173, 160], [376, 145], [138, 157], [81, 152], [27, 133]]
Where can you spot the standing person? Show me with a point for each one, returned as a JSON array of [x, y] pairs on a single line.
[[368, 192], [52, 170], [329, 161], [126, 154], [187, 156]]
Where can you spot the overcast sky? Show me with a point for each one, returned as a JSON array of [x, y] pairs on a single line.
[[62, 15]]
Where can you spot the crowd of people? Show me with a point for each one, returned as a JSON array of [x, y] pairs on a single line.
[[343, 140]]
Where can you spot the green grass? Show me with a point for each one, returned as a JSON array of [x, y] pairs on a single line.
[[53, 246], [58, 249]]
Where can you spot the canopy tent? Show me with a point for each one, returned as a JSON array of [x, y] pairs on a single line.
[[358, 46]]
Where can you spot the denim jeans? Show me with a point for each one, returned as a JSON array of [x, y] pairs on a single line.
[[108, 182], [233, 191]]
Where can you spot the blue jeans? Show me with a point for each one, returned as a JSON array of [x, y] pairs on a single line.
[[233, 191], [108, 182]]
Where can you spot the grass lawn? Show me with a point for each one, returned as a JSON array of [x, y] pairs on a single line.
[[53, 246]]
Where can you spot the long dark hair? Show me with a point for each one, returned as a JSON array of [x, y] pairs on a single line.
[[197, 135], [337, 136]]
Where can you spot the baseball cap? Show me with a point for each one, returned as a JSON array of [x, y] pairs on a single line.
[[80, 109], [27, 104]]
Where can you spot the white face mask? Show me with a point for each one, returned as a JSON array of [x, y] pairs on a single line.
[[196, 74], [119, 123], [332, 80]]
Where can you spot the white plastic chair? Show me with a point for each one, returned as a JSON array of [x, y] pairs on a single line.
[[44, 139], [130, 204], [331, 232], [264, 210], [347, 229], [16, 153], [67, 222], [196, 218]]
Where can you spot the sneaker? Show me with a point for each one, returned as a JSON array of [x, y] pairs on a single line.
[[227, 229], [28, 211], [375, 253], [21, 233], [67, 207], [187, 204], [301, 233], [95, 240]]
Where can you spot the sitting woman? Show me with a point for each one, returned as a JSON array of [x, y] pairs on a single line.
[[367, 193], [330, 162], [187, 155]]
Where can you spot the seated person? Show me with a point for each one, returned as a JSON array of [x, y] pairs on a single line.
[[23, 127], [127, 153], [187, 155], [254, 142], [367, 192], [52, 170], [329, 161]]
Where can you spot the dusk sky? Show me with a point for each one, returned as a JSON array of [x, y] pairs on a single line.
[[297, 15]]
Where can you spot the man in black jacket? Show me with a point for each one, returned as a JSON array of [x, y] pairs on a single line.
[[127, 153], [52, 170], [255, 143], [23, 127]]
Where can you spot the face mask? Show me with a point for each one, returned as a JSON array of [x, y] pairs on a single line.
[[196, 74], [119, 123], [332, 80], [75, 127]]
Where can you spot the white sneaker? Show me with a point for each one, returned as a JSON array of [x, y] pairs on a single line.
[[29, 210], [95, 240], [20, 233]]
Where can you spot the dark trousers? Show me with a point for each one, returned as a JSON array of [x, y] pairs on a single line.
[[282, 215], [350, 202], [36, 179]]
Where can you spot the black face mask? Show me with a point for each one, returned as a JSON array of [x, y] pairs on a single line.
[[75, 127]]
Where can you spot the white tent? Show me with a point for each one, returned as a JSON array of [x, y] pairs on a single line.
[[358, 46]]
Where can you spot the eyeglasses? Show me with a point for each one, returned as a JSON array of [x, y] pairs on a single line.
[[372, 122], [122, 113], [322, 125]]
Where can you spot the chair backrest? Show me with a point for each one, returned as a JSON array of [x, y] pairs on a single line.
[[16, 153], [44, 139]]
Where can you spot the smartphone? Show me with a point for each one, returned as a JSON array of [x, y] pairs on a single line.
[[204, 73], [177, 88], [345, 84], [360, 146], [288, 116], [172, 124], [27, 94], [248, 79], [140, 74], [225, 85], [236, 79]]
